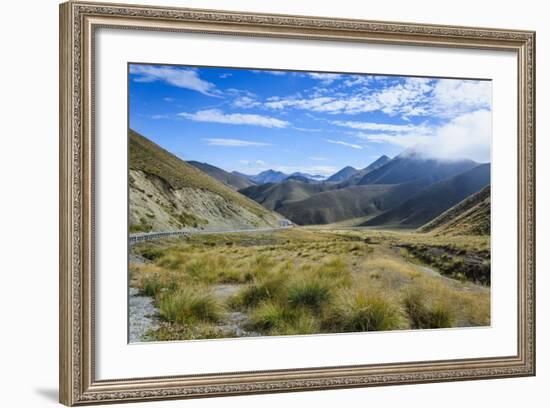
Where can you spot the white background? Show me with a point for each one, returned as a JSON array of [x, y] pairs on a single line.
[[28, 167], [117, 359]]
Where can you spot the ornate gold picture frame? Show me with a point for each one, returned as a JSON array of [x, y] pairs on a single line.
[[79, 22]]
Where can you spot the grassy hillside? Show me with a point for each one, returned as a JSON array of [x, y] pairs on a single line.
[[410, 166], [235, 181], [168, 193], [435, 199], [274, 195], [472, 216], [351, 202]]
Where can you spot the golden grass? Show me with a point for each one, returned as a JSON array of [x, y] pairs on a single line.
[[302, 282]]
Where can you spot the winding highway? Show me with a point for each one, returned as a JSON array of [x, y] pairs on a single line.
[[148, 236]]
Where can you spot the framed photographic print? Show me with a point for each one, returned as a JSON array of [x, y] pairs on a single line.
[[263, 203]]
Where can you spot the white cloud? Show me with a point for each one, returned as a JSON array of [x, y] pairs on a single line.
[[245, 102], [385, 127], [232, 142], [168, 99], [467, 136], [225, 75], [340, 142], [160, 116], [217, 116], [453, 96], [178, 77], [401, 98], [409, 97], [355, 80], [317, 158], [402, 140], [326, 79], [309, 130], [270, 72]]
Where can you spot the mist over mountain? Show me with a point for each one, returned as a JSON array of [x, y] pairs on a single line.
[[411, 165]]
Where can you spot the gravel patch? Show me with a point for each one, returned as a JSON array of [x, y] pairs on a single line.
[[143, 316]]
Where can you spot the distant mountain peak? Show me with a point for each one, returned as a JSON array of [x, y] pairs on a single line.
[[343, 174], [268, 176]]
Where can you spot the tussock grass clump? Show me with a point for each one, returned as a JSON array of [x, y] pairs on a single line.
[[336, 270], [428, 307], [151, 285], [363, 310], [312, 282], [268, 316], [258, 291], [277, 319], [301, 321], [190, 305], [313, 293]]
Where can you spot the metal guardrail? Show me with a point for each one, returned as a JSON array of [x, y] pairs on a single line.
[[148, 236]]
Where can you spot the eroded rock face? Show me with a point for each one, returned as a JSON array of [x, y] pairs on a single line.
[[155, 205]]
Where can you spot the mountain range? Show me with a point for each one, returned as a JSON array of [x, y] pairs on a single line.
[[408, 191], [274, 176]]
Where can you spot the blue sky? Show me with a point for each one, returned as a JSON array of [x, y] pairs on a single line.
[[253, 120]]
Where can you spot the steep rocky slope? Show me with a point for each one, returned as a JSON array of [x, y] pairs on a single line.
[[166, 193]]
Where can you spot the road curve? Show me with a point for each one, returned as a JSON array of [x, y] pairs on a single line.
[[148, 236]]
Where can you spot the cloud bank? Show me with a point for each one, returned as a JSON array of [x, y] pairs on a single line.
[[178, 77], [217, 116]]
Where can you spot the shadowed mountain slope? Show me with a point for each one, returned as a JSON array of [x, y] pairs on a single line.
[[355, 178], [274, 195], [472, 216], [343, 174], [435, 199], [351, 202]]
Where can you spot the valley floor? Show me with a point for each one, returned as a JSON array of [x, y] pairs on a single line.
[[309, 280]]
